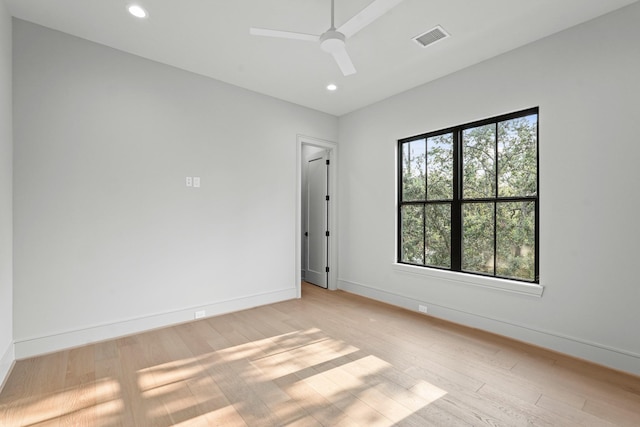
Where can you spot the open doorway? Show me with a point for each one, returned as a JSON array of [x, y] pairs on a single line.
[[315, 200], [316, 228]]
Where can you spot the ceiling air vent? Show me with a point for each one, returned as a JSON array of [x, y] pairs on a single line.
[[430, 37]]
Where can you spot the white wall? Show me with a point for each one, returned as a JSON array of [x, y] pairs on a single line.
[[108, 240], [6, 197], [585, 81]]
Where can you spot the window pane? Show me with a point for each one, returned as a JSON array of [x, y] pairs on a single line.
[[438, 235], [412, 237], [478, 159], [515, 237], [413, 170], [477, 237], [517, 162], [440, 167]]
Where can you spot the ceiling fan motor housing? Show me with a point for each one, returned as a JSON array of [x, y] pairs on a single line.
[[332, 41]]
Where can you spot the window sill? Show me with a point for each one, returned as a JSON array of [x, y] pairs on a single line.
[[505, 285]]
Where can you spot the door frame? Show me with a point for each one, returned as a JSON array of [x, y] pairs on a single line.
[[332, 148]]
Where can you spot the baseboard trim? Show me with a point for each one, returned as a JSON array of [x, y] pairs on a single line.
[[601, 354], [7, 362], [35, 346]]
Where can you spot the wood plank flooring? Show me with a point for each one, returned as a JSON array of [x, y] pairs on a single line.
[[329, 359]]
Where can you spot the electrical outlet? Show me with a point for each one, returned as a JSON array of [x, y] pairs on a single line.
[[200, 314], [422, 308], [196, 181], [189, 181]]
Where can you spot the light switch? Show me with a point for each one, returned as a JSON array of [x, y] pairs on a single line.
[[189, 182], [196, 181]]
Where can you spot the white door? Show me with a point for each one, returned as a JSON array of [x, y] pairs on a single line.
[[317, 225]]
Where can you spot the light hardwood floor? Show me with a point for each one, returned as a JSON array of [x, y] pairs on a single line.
[[330, 359]]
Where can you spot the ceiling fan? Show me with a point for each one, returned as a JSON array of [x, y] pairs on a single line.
[[333, 40]]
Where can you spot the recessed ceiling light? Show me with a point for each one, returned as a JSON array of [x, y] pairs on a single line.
[[331, 87], [137, 11]]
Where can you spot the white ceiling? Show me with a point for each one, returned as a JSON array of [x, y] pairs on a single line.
[[211, 37]]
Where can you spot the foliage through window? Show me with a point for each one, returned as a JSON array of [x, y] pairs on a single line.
[[468, 198]]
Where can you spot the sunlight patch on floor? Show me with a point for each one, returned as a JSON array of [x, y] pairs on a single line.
[[336, 370], [95, 396]]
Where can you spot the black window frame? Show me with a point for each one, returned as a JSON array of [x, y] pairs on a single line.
[[458, 201]]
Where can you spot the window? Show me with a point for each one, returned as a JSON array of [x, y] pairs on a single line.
[[468, 198]]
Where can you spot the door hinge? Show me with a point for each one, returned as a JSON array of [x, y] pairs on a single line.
[[326, 269], [327, 162], [306, 234], [327, 198], [326, 233]]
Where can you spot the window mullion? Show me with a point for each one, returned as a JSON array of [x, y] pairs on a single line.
[[424, 234], [495, 235], [399, 242], [495, 203], [456, 204], [424, 205]]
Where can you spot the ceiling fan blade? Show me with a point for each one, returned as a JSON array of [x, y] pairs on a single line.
[[366, 16], [283, 34], [344, 61]]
